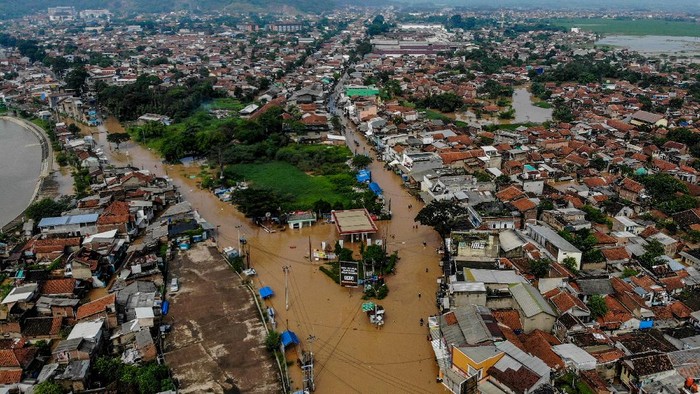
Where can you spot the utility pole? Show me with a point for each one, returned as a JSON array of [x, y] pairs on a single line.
[[286, 287], [239, 239], [308, 367], [311, 257]]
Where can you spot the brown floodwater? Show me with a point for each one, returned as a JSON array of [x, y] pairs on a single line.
[[351, 354]]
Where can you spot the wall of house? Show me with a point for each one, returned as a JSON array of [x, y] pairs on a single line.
[[464, 299], [541, 321], [463, 362]]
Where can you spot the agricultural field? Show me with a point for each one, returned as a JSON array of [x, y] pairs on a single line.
[[632, 27]]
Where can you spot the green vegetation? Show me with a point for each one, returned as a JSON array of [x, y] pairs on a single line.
[[144, 379], [47, 207], [669, 194], [48, 387], [633, 27], [652, 251], [285, 178], [597, 306], [585, 242], [445, 102], [543, 104], [226, 103], [442, 216], [570, 383], [147, 95], [273, 340], [540, 267], [435, 115]]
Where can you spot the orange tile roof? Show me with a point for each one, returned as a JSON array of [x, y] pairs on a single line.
[[117, 212], [96, 306], [614, 254], [538, 344], [523, 204], [12, 376], [508, 317], [680, 310], [509, 193], [58, 286]]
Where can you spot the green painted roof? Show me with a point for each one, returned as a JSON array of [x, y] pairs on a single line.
[[361, 92]]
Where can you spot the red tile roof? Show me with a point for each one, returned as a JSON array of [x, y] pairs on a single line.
[[97, 306], [508, 317], [12, 376], [58, 286]]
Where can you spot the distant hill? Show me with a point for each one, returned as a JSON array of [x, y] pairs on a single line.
[[13, 9]]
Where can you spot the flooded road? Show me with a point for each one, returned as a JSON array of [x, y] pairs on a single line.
[[351, 355]]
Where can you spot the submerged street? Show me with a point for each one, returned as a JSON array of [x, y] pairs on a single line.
[[351, 354]]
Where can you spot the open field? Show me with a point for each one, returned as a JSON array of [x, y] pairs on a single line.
[[633, 27], [287, 179], [227, 103]]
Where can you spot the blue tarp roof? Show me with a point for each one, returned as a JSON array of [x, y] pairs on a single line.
[[289, 338], [375, 188], [646, 324], [64, 220], [364, 176], [165, 307], [266, 292]]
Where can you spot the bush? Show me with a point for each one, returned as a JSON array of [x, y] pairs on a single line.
[[272, 342], [382, 292]]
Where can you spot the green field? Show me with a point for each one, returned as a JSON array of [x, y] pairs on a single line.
[[227, 103], [632, 27], [287, 179]]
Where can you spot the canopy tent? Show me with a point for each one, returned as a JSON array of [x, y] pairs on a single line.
[[289, 338], [266, 292], [368, 306]]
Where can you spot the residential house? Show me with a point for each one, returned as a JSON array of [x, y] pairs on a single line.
[[556, 246], [535, 311]]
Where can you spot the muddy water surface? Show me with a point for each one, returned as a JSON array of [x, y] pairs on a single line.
[[351, 355]]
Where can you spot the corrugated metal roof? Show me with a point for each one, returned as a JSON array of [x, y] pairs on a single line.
[[480, 353], [531, 362], [530, 300], [66, 220], [569, 351], [492, 276], [509, 240]]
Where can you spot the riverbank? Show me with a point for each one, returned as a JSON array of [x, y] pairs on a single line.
[[46, 165]]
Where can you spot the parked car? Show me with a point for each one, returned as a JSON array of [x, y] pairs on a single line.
[[174, 285]]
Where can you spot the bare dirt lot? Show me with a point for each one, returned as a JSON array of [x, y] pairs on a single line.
[[217, 342]]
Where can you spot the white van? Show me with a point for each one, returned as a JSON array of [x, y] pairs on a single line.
[[174, 285]]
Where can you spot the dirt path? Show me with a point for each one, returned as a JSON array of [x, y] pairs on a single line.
[[352, 356]]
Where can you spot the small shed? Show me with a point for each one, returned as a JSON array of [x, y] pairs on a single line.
[[300, 219], [266, 292], [289, 338]]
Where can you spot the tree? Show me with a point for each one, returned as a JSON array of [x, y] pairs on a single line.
[[540, 267], [652, 250], [48, 387], [47, 207], [118, 138], [76, 78], [73, 128], [597, 306], [442, 216], [272, 342], [361, 161], [570, 264]]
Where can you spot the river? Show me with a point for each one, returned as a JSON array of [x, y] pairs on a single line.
[[351, 355], [20, 160], [525, 111]]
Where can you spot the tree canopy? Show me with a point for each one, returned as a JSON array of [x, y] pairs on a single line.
[[597, 305], [441, 215]]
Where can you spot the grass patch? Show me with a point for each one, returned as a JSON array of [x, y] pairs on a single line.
[[633, 27], [543, 104], [285, 178], [436, 115], [226, 103]]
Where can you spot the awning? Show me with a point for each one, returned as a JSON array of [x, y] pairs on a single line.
[[289, 338], [266, 292]]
